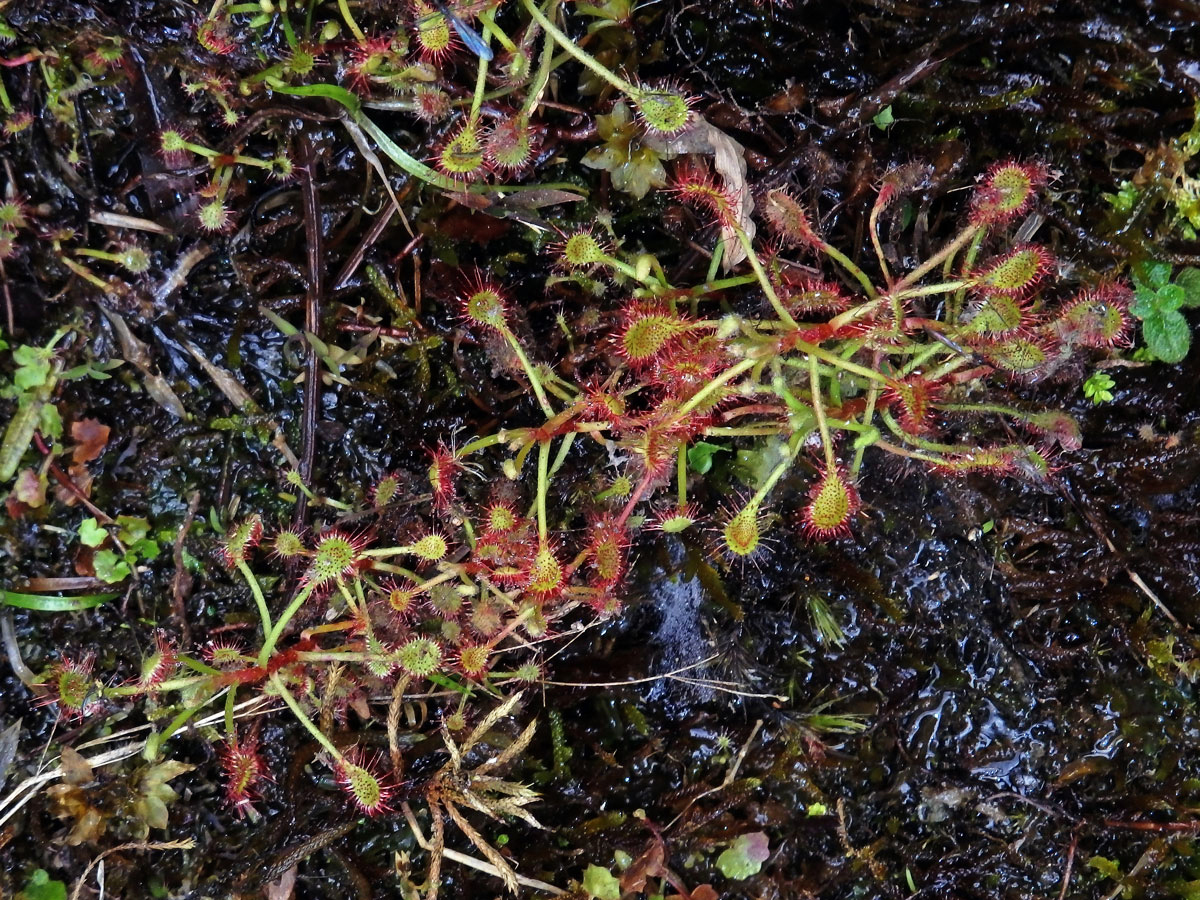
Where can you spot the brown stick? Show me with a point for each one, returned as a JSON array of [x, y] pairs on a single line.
[[181, 584], [1177, 827], [1070, 862], [365, 244], [66, 481]]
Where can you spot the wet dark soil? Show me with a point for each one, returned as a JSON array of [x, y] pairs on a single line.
[[1004, 705]]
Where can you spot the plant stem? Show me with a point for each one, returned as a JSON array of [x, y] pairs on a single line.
[[487, 19], [490, 440], [635, 498], [578, 52], [272, 637], [714, 264], [919, 360], [942, 287], [304, 720], [623, 267], [767, 486], [986, 408], [181, 683], [155, 741], [763, 281], [256, 590], [535, 380], [848, 264], [84, 272], [724, 378], [955, 305], [286, 20], [480, 83], [545, 66], [681, 476], [711, 287], [868, 416], [814, 382], [563, 449], [196, 666], [344, 7], [908, 454], [839, 363], [936, 260], [873, 227], [542, 486], [934, 446]]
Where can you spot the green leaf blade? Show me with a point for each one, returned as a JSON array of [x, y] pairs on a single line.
[[1189, 281], [1151, 273], [53, 603], [1167, 336]]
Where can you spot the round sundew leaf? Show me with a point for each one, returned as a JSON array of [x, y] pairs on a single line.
[[487, 308], [741, 534], [1017, 272], [462, 155], [649, 333], [431, 547], [334, 556], [831, 504], [545, 573], [667, 112], [420, 657], [582, 249]]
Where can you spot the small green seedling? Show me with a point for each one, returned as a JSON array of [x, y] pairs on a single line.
[[1157, 301], [1098, 387]]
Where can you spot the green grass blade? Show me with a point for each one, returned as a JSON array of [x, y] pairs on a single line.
[[52, 603]]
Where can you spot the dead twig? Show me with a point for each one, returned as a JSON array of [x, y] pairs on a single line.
[[393, 727], [1173, 827], [356, 258], [470, 861], [181, 583], [1137, 580], [69, 484], [1070, 862], [730, 775], [186, 844]]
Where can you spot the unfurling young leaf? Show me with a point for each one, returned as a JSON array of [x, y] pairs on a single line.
[[745, 856], [601, 883]]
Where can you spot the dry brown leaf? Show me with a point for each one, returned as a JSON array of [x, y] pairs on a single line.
[[137, 352], [648, 865], [90, 439], [284, 887], [76, 769]]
